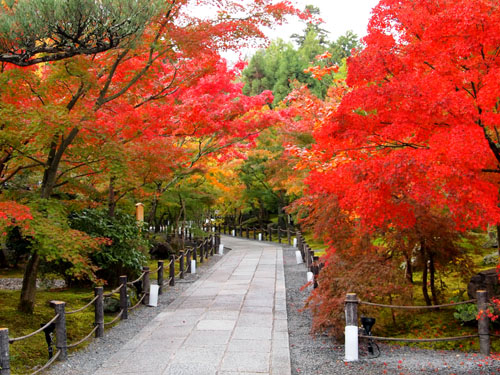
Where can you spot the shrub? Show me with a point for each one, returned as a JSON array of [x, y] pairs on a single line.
[[126, 251]]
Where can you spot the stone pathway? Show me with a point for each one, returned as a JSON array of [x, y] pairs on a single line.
[[233, 320]]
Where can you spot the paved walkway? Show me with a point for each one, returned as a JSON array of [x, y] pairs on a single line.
[[233, 320]]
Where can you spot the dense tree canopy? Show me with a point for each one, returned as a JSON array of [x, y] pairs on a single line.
[[132, 93], [405, 151], [281, 66]]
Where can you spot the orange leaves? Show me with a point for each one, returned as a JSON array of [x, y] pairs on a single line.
[[14, 214], [319, 71]]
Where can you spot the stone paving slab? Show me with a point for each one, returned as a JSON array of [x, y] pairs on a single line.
[[230, 321]]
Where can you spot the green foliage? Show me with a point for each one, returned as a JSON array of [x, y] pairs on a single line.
[[17, 245], [466, 313], [281, 65], [72, 27], [313, 27], [126, 251], [63, 250]]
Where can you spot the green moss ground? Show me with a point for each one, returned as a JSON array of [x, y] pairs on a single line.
[[27, 354]]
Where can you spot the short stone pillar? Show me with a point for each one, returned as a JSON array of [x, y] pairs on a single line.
[[351, 327]]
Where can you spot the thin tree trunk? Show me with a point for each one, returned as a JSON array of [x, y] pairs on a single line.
[[498, 239], [52, 166], [28, 291], [425, 292], [432, 271], [111, 198], [409, 268], [152, 214]]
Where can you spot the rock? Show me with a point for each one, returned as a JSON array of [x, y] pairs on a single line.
[[487, 280], [111, 305], [161, 250], [491, 259]]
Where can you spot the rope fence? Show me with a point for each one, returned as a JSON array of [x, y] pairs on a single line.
[[120, 314], [84, 339], [402, 339], [57, 324], [35, 332], [417, 307], [109, 294], [307, 256], [84, 307], [46, 366], [130, 283], [138, 302], [352, 331]]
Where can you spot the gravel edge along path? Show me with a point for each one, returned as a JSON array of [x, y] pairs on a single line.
[[310, 355], [313, 355]]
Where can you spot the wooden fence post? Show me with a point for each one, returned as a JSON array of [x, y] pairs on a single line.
[[202, 254], [484, 322], [207, 247], [4, 352], [279, 235], [254, 233], [351, 327], [145, 285], [195, 253], [181, 263], [171, 271], [124, 297], [99, 311], [161, 265], [248, 233], [188, 260], [289, 236], [270, 230], [315, 269], [60, 331]]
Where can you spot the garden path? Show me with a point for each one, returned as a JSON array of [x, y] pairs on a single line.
[[233, 320]]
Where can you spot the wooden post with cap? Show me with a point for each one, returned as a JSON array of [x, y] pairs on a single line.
[[4, 352]]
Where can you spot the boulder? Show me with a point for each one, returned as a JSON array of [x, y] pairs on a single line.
[[487, 280], [161, 250], [111, 305]]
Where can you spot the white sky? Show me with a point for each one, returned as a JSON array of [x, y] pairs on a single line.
[[338, 15]]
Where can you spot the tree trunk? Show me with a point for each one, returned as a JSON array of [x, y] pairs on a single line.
[[425, 292], [432, 271], [4, 263], [152, 214], [54, 159], [409, 268], [111, 198], [498, 239], [28, 291]]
